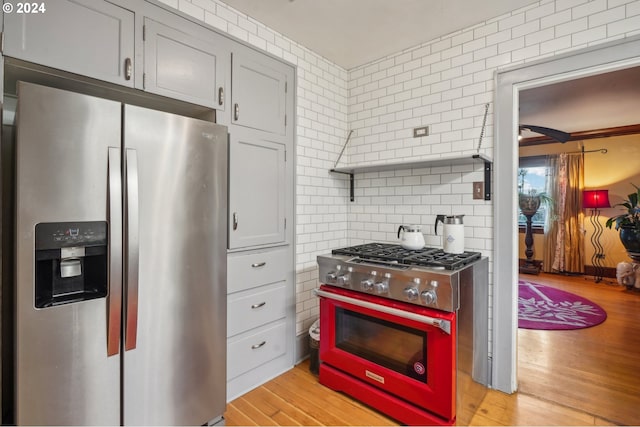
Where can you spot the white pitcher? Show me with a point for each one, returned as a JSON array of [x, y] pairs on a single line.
[[411, 238], [453, 238]]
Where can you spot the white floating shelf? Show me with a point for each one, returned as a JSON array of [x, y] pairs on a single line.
[[421, 164]]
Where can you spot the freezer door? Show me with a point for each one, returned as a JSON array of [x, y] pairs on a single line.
[[64, 375], [175, 322]]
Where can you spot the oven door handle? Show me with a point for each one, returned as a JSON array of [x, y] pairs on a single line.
[[444, 325]]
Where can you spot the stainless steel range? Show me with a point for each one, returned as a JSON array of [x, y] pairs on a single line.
[[406, 331]]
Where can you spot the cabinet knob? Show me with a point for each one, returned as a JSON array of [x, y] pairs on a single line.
[[127, 69], [220, 95], [236, 111]]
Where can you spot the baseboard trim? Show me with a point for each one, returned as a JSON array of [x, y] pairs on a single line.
[[589, 270]]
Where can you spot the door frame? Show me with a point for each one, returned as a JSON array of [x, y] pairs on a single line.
[[607, 57]]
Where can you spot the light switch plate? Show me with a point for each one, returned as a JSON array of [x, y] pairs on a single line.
[[478, 189]]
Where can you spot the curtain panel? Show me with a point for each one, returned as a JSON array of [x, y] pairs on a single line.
[[564, 234]]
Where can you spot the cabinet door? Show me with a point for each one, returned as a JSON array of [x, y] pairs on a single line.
[[92, 38], [257, 190], [181, 66], [259, 92]]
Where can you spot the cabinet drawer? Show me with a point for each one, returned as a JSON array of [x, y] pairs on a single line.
[[256, 349], [255, 269], [253, 308]]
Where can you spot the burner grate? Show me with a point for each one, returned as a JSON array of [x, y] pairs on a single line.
[[425, 257]]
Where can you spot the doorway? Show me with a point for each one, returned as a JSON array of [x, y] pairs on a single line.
[[596, 60]]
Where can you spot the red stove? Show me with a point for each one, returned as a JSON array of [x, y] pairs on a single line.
[[406, 331]]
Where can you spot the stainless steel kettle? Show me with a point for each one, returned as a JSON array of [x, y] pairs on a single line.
[[453, 238]]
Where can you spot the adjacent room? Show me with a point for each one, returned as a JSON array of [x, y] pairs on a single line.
[[598, 113]]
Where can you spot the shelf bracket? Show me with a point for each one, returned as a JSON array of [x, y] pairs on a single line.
[[351, 194], [487, 178]]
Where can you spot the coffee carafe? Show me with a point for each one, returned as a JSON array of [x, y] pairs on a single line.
[[453, 237]]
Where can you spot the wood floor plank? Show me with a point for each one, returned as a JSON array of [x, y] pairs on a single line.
[[348, 410], [519, 409], [237, 417], [307, 400], [245, 406], [279, 409]]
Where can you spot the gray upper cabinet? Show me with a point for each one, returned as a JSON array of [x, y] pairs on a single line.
[[90, 37], [179, 65], [259, 89], [257, 190]]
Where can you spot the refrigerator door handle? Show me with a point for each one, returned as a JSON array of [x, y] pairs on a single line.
[[114, 311], [132, 254]]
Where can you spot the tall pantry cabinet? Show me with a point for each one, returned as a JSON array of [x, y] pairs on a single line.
[[261, 208], [158, 55]]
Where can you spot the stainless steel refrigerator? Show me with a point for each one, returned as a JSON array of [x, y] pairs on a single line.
[[120, 272]]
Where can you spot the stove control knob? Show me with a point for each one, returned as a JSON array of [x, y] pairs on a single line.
[[344, 279], [331, 277], [367, 284], [411, 294], [429, 297], [383, 286]]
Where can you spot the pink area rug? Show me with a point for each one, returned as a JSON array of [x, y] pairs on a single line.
[[543, 307]]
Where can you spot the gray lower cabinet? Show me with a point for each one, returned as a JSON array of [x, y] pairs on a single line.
[[181, 66], [92, 38], [259, 318]]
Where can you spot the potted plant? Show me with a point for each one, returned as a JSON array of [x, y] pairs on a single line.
[[529, 201], [629, 224]]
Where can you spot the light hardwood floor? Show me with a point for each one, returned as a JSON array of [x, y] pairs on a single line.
[[580, 377]]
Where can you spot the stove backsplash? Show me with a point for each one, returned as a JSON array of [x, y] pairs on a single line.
[[385, 200]]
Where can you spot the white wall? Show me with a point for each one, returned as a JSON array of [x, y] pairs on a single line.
[[444, 84]]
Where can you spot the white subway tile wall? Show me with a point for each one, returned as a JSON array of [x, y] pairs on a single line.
[[443, 84]]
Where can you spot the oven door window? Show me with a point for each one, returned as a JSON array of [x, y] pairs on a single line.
[[396, 347]]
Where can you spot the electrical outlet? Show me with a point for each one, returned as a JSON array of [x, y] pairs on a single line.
[[420, 132], [478, 190]]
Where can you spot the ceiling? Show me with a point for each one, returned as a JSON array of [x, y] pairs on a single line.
[[589, 103], [350, 33], [354, 32]]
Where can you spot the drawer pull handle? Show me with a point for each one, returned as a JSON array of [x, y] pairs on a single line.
[[258, 264], [257, 346], [254, 306]]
